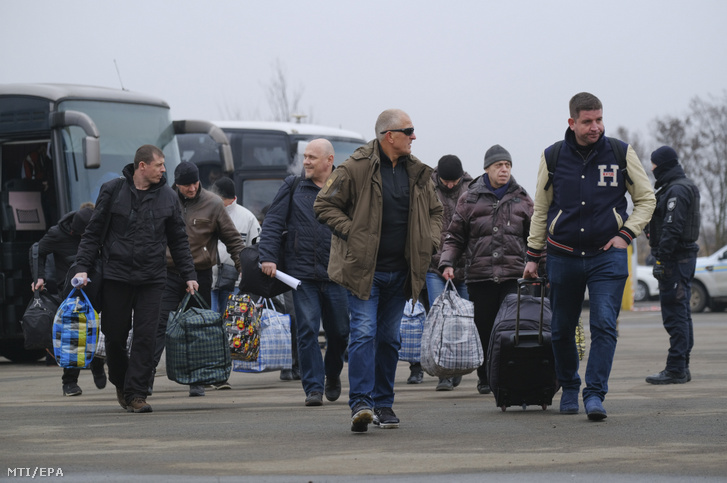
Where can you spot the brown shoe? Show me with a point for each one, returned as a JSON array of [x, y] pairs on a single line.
[[138, 405], [120, 397]]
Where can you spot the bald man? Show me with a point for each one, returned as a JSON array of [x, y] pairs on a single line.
[[306, 258]]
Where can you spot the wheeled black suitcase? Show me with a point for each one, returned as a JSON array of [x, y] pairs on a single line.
[[520, 364]]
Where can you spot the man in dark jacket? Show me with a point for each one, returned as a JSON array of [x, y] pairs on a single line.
[[145, 218], [206, 222], [62, 242], [307, 249], [489, 226], [673, 232]]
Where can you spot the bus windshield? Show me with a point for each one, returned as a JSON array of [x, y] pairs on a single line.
[[123, 128]]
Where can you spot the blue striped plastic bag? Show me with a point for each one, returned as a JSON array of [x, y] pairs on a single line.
[[275, 349], [412, 325], [75, 331]]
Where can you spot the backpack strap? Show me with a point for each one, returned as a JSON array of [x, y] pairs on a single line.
[[618, 151], [551, 160]]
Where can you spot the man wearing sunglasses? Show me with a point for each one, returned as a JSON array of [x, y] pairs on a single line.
[[386, 222]]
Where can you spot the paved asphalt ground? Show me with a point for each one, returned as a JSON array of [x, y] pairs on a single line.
[[261, 431]]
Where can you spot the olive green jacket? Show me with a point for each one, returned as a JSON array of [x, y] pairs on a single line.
[[351, 203]]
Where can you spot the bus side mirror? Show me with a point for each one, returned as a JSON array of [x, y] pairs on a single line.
[[91, 152], [91, 144]]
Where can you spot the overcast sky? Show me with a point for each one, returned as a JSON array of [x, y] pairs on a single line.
[[470, 73]]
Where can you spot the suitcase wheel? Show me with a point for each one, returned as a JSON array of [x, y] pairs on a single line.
[[504, 408], [544, 406]]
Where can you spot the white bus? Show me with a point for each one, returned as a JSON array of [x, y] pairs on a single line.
[[263, 153], [58, 144]]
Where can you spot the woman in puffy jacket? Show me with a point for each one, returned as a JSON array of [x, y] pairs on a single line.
[[491, 223]]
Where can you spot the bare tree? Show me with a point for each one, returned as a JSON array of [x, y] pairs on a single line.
[[700, 140], [283, 103]]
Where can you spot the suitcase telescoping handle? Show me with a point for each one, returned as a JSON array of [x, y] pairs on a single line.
[[522, 282]]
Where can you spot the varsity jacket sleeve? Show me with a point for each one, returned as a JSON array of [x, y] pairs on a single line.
[[642, 195], [543, 200]]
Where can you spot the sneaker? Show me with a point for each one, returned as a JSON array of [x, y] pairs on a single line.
[[138, 405], [483, 387], [385, 418], [221, 386], [417, 375], [333, 388], [361, 417], [314, 399], [569, 402], [445, 384], [120, 397], [196, 391], [456, 380], [99, 375], [594, 409], [667, 377], [71, 389]]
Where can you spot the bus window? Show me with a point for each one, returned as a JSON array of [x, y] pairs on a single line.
[[260, 150], [258, 193]]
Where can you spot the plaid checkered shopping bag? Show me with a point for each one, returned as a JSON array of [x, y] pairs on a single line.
[[412, 324], [275, 350], [75, 331], [450, 342], [242, 326], [196, 345]]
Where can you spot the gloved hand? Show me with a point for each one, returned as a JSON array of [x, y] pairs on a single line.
[[659, 270]]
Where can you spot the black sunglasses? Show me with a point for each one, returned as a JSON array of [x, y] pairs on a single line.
[[407, 132]]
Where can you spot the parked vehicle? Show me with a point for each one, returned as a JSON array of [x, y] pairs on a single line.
[[264, 153], [647, 287], [709, 288], [58, 144]]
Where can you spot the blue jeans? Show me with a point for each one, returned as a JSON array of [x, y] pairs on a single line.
[[317, 301], [675, 291], [219, 299], [373, 350], [435, 287], [605, 276]]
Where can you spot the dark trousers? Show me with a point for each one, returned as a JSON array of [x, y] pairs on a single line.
[[130, 372], [675, 291], [487, 297], [174, 291], [70, 374]]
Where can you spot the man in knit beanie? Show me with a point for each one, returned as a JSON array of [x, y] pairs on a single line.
[[673, 232]]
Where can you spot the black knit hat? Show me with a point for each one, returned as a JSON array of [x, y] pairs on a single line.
[[225, 187], [449, 168], [80, 220], [496, 154], [665, 156], [186, 173]]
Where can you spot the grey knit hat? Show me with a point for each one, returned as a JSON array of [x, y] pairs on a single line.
[[496, 153]]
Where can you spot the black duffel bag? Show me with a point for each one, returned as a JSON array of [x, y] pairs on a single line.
[[253, 280], [37, 321]]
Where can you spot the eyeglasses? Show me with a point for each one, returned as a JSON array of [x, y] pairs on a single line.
[[407, 132]]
